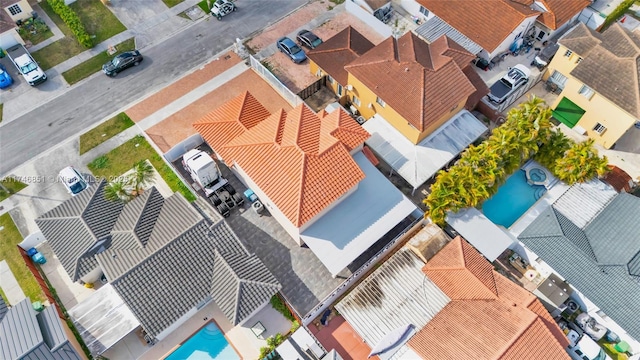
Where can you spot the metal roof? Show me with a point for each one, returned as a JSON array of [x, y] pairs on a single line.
[[357, 222], [583, 201], [396, 294], [418, 163], [103, 319], [606, 275], [435, 27], [480, 232]]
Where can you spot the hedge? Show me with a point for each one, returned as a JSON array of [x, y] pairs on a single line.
[[72, 20], [616, 14]]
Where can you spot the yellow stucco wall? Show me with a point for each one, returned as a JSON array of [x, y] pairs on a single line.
[[26, 11], [333, 85], [598, 109]]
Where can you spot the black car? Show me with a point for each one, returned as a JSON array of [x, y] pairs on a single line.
[[121, 62], [308, 39]]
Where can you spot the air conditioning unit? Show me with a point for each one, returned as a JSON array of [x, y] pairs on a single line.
[[370, 106], [353, 110], [349, 87]]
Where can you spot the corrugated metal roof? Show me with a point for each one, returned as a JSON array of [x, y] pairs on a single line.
[[3, 308], [418, 163], [480, 232], [435, 27], [394, 295], [52, 331], [583, 201], [19, 331]]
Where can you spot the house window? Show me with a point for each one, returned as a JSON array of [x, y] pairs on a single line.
[[599, 128], [424, 11], [586, 92], [380, 101], [339, 90], [579, 60], [541, 35], [356, 100], [568, 53], [558, 79], [330, 79], [14, 9]]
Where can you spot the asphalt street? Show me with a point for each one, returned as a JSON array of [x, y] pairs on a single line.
[[88, 103]]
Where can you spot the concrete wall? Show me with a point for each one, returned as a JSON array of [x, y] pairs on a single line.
[[24, 14], [368, 18], [93, 276], [413, 8], [506, 43], [10, 38], [598, 109], [189, 143]]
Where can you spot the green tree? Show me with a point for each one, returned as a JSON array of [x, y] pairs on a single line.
[[553, 149], [119, 190], [143, 173], [580, 163]]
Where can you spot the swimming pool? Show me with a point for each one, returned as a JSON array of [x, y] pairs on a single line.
[[207, 344], [512, 200]]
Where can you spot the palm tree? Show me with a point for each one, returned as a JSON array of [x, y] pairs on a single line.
[[554, 148], [143, 173], [580, 163], [118, 190]]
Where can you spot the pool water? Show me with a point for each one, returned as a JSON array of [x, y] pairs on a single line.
[[512, 200], [207, 344]]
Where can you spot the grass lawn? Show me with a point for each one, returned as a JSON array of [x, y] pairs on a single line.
[[9, 252], [12, 185], [4, 296], [67, 47], [172, 3], [204, 6], [1, 105], [121, 159], [93, 65], [104, 132], [38, 33]]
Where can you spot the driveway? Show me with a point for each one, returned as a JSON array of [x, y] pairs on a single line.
[[90, 102]]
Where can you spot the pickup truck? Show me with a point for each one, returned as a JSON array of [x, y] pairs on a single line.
[[515, 78], [25, 64]]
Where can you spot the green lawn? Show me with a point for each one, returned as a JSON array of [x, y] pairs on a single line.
[[1, 105], [35, 32], [88, 11], [104, 132], [204, 6], [172, 3], [9, 251], [12, 185], [121, 159], [93, 65]]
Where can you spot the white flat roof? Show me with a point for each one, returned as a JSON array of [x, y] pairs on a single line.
[[349, 229], [418, 163], [479, 231], [103, 319]]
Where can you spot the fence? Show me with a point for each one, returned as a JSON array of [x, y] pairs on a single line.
[[313, 88], [533, 80], [40, 279], [284, 91], [362, 14], [346, 285]]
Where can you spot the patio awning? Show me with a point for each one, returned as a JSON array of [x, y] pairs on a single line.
[[417, 163], [480, 232], [568, 112], [356, 223], [103, 319]]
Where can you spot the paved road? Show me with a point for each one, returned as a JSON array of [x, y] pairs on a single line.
[[89, 103]]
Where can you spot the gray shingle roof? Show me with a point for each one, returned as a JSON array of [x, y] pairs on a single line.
[[73, 227], [137, 220], [3, 308], [608, 274]]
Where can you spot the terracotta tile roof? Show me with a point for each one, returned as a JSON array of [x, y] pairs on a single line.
[[619, 179], [612, 66], [486, 22], [414, 78], [489, 317], [338, 51], [559, 11], [481, 87], [299, 159]]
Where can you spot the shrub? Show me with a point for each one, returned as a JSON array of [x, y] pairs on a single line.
[[100, 162], [617, 13], [280, 306], [72, 20]]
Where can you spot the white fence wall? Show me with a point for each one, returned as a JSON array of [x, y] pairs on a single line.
[[382, 28], [284, 91]]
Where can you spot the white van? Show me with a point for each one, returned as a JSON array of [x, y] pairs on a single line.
[[72, 180], [587, 349]]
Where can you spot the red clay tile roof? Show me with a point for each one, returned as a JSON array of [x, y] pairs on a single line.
[[619, 179], [300, 160], [489, 317], [414, 78], [338, 51], [559, 11], [486, 22]]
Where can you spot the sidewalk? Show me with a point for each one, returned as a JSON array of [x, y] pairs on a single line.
[[57, 33], [10, 285]]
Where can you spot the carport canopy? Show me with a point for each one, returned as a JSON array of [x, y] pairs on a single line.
[[103, 319], [568, 113]]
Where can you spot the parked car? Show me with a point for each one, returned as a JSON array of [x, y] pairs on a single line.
[[221, 8], [72, 180], [308, 39], [5, 78], [121, 62], [291, 49], [514, 79]]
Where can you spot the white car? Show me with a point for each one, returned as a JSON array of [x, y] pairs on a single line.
[[72, 180]]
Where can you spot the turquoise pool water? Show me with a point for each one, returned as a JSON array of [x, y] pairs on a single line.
[[207, 344], [512, 200]]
